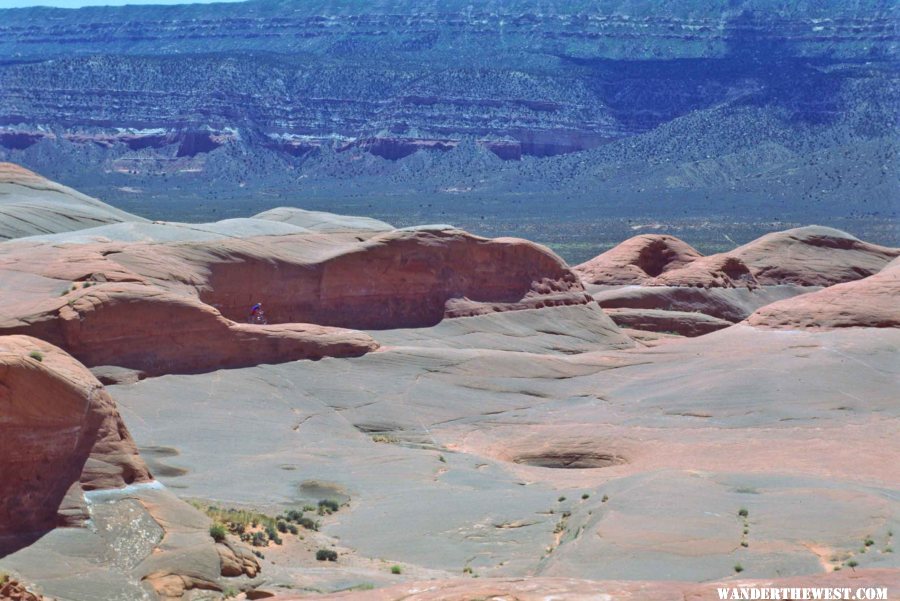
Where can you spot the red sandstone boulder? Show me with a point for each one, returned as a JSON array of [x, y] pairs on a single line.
[[61, 434]]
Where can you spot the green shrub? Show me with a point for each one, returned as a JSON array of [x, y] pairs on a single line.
[[852, 563], [281, 526], [217, 532], [585, 496], [272, 533], [745, 543], [308, 523], [738, 568], [326, 555], [604, 499], [308, 508], [293, 515], [561, 499], [328, 505], [396, 570], [868, 542], [743, 512], [259, 539], [37, 356]]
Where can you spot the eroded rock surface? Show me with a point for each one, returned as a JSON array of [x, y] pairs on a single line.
[[175, 308], [62, 435], [637, 260], [872, 302], [31, 204]]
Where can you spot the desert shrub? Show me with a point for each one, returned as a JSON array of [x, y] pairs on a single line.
[[272, 533], [396, 570], [561, 499], [37, 356], [328, 505], [282, 526], [309, 523], [852, 563], [585, 497], [326, 555], [217, 532], [259, 539], [604, 499], [738, 568], [292, 529], [293, 515], [743, 512]]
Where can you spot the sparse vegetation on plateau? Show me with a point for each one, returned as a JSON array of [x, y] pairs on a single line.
[[37, 356]]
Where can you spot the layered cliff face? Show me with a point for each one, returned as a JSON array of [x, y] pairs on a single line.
[[62, 435], [757, 100]]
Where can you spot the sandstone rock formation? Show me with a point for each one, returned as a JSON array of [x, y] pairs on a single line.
[[61, 435], [812, 256], [319, 221], [11, 590], [174, 308], [806, 256], [637, 260], [658, 320], [31, 204], [872, 302]]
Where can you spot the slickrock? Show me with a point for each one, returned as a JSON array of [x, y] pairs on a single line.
[[812, 256], [62, 435], [176, 308], [320, 221], [657, 320], [870, 302], [31, 204]]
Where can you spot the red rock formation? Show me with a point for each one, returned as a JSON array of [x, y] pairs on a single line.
[[10, 590], [812, 256], [637, 260], [871, 302], [715, 271], [807, 256], [174, 308], [61, 434], [158, 332]]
